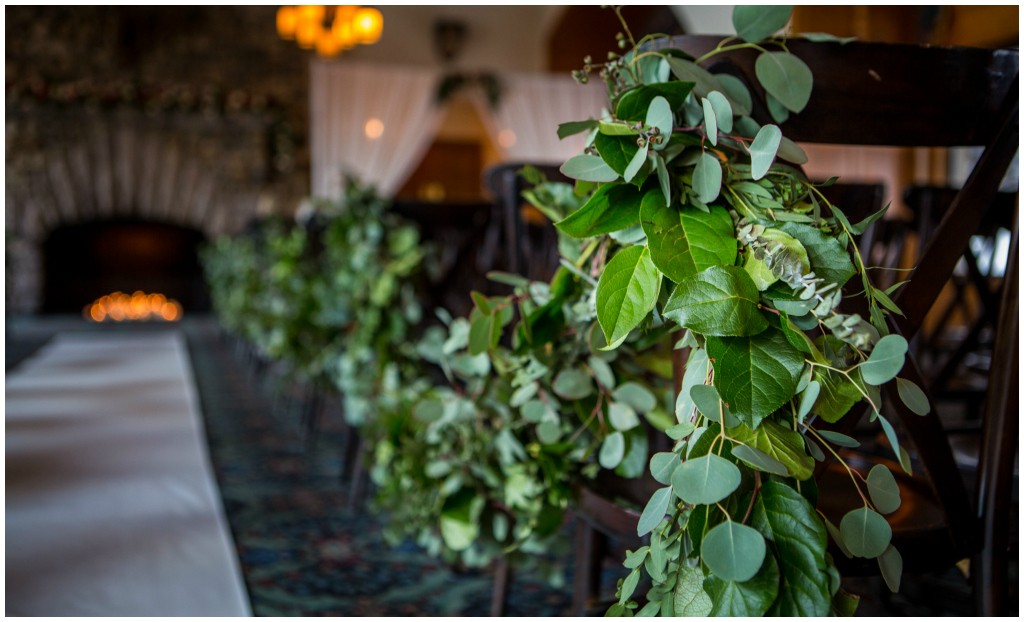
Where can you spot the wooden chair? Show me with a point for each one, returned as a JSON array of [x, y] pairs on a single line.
[[904, 95]]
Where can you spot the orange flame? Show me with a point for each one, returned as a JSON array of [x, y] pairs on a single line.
[[139, 306]]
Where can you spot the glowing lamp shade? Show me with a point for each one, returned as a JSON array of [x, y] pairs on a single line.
[[343, 33], [368, 24], [307, 34], [507, 138], [286, 22], [311, 13], [374, 129], [327, 44]]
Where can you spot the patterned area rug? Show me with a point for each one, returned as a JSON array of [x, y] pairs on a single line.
[[302, 552]]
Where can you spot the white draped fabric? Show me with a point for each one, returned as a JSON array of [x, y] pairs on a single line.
[[111, 505], [525, 124], [373, 122]]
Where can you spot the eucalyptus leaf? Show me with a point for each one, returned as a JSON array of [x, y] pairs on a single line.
[[622, 416], [838, 438], [703, 81], [865, 532], [626, 293], [707, 479], [755, 23], [791, 152], [686, 241], [573, 384], [883, 489], [779, 113], [913, 397], [785, 77], [664, 181], [588, 167], [636, 395], [575, 127], [824, 37], [763, 150], [719, 301], [885, 361], [618, 152], [549, 432], [654, 512], [707, 178], [722, 109], [680, 430], [612, 450], [710, 124], [659, 115], [663, 465], [639, 159], [739, 98], [807, 399], [733, 551], [697, 367], [890, 563], [759, 460], [707, 401]]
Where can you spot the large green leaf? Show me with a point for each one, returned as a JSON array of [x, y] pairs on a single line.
[[586, 167], [612, 207], [758, 269], [786, 78], [781, 443], [865, 532], [755, 375], [634, 104], [755, 23], [686, 241], [733, 551], [626, 293], [886, 360], [719, 301], [704, 480], [689, 598], [747, 599], [829, 259], [837, 395], [786, 518], [618, 152], [707, 177]]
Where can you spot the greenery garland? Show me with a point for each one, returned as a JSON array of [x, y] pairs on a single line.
[[735, 245]]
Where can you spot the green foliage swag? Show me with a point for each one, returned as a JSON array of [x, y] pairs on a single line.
[[730, 241]]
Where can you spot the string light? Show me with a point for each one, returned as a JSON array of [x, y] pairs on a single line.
[[329, 29]]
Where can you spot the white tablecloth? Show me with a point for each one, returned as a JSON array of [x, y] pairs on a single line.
[[111, 505]]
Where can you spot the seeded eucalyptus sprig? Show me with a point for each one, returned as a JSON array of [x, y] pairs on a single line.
[[722, 235]]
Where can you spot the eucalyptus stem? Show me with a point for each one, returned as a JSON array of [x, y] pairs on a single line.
[[719, 49], [813, 364], [846, 466]]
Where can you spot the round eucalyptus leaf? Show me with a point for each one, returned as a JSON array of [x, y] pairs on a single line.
[[755, 23], [707, 177], [722, 108], [733, 551], [706, 399], [622, 416], [865, 532], [613, 449], [602, 371], [760, 460], [883, 489], [659, 115], [886, 360], [807, 399], [573, 384], [814, 450], [680, 430], [523, 394], [636, 395], [736, 91], [534, 411], [585, 167], [663, 465], [636, 163], [428, 411], [548, 432], [786, 78], [913, 397], [705, 480], [792, 152]]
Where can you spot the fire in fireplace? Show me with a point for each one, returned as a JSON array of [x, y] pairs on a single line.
[[137, 307]]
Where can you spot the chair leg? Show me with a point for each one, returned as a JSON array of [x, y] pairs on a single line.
[[998, 448], [587, 575], [502, 579]]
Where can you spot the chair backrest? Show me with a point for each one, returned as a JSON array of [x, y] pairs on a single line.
[[905, 95]]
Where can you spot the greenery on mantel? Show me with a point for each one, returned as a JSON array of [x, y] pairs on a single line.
[[731, 242]]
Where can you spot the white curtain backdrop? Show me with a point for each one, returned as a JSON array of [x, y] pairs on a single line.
[[532, 106], [374, 122]]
